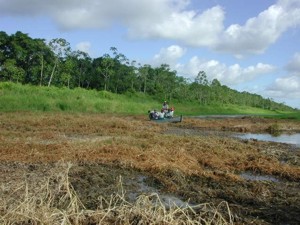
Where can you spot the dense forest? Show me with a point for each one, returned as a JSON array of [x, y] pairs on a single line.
[[34, 61]]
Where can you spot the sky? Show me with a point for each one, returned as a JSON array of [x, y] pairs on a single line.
[[251, 46]]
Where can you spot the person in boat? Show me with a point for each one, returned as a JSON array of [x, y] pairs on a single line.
[[151, 114], [161, 115], [165, 107], [170, 113], [155, 115]]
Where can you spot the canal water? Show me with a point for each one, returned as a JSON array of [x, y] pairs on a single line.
[[283, 138]]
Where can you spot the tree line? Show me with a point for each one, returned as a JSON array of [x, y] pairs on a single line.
[[34, 61]]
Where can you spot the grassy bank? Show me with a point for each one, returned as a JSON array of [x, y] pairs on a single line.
[[17, 97], [287, 115]]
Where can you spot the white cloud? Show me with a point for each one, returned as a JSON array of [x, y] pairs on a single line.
[[169, 55], [73, 14], [287, 87], [84, 46], [288, 84], [188, 27], [260, 32], [229, 75], [167, 19], [102, 13]]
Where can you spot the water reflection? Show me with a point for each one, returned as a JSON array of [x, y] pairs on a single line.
[[283, 138]]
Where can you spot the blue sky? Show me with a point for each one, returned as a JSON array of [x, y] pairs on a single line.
[[249, 46]]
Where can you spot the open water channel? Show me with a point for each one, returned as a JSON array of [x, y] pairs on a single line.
[[282, 138]]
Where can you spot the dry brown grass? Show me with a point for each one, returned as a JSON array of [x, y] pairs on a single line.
[[133, 142], [244, 124], [52, 200]]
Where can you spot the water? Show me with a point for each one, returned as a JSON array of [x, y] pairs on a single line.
[[283, 138], [167, 200], [254, 177]]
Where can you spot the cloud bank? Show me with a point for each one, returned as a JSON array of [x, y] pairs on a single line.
[[167, 19], [227, 74], [289, 85]]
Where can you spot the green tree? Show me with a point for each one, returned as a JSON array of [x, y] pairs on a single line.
[[201, 88], [5, 47], [61, 48], [201, 78], [166, 81], [218, 94], [82, 69], [17, 47], [143, 74], [133, 74], [105, 69], [12, 72]]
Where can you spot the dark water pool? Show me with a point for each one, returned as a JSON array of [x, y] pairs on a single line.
[[283, 138]]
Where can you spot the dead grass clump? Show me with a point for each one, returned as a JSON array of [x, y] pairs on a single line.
[[55, 201], [149, 209]]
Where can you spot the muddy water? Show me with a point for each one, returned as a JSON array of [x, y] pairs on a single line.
[[283, 138], [142, 187]]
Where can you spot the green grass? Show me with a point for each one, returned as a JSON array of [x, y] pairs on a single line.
[[17, 97], [287, 115], [196, 109]]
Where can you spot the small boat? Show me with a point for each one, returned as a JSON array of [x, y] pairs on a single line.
[[176, 119]]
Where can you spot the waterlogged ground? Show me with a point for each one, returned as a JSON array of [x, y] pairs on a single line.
[[189, 163]]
